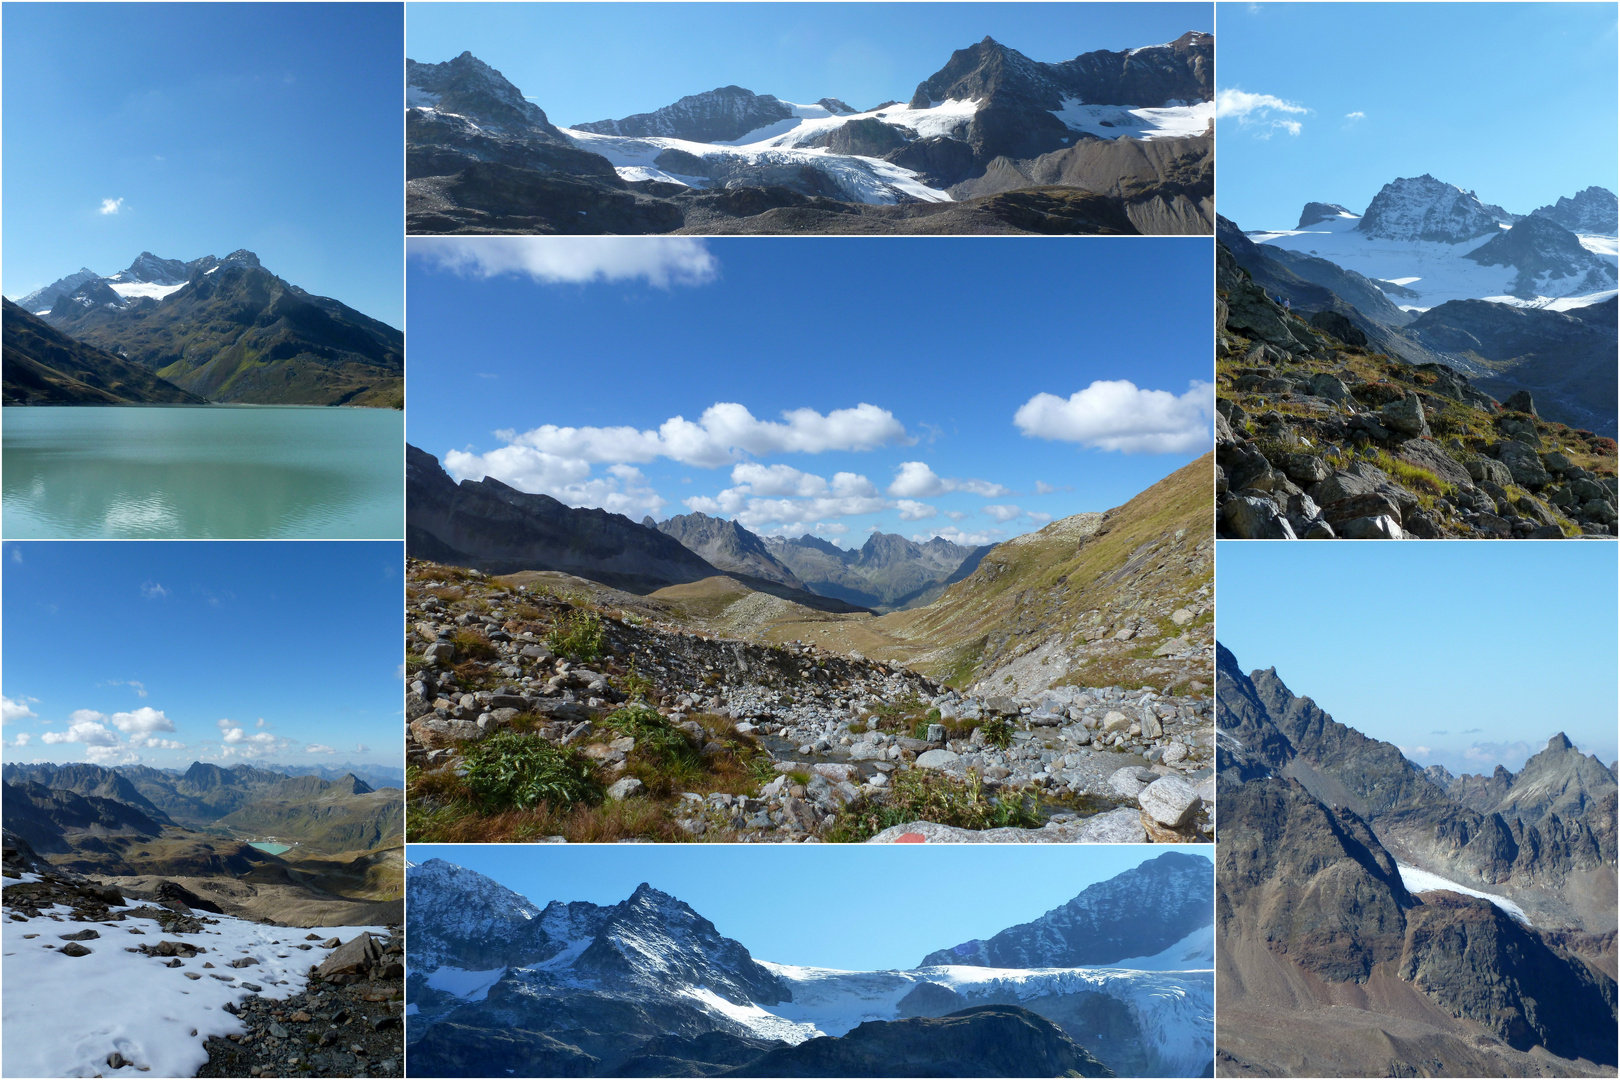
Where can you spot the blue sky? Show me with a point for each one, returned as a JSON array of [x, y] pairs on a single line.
[[841, 906], [1465, 653], [562, 365], [1513, 101], [172, 652], [203, 128], [584, 62]]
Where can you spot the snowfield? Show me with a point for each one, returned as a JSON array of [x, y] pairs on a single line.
[[67, 1014], [470, 985], [133, 289], [1174, 1010], [1172, 122], [1434, 270], [860, 179], [1421, 881]]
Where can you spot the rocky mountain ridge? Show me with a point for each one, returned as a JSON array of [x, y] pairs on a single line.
[[229, 330], [1591, 210], [1136, 913], [1544, 843], [990, 143], [686, 1000]]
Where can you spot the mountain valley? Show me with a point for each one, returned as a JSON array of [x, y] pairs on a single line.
[[1064, 674], [256, 842], [498, 985], [994, 142], [1402, 918], [209, 330]]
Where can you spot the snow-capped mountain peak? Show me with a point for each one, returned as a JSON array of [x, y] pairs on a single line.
[[1423, 208], [1594, 211]]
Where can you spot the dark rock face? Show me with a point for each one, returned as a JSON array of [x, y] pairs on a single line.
[[486, 525], [1541, 249], [1315, 212], [41, 299], [1594, 210], [1136, 913], [868, 137], [1480, 963], [1332, 322], [469, 87], [990, 1040], [724, 114]]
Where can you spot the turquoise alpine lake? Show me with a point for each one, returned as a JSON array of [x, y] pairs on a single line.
[[273, 849], [202, 471]]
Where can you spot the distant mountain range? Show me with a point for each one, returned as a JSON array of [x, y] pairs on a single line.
[[1112, 142], [648, 987], [343, 814], [222, 330], [1472, 915], [490, 526]]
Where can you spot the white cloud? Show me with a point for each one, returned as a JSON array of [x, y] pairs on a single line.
[[915, 480], [958, 515], [721, 436], [111, 206], [142, 721], [777, 480], [156, 744], [361, 748], [568, 480], [319, 748], [1357, 115], [261, 722], [14, 710], [154, 591], [22, 739], [1259, 111], [1038, 518], [110, 755], [1003, 514], [16, 554], [958, 536], [83, 730], [660, 261], [138, 687], [1116, 415], [1043, 488], [910, 510]]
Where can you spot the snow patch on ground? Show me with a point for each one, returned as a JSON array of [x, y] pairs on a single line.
[[1600, 245], [1559, 303], [762, 1023], [416, 96], [1420, 881], [1115, 121], [77, 1010], [471, 985], [132, 289], [1195, 952], [861, 179]]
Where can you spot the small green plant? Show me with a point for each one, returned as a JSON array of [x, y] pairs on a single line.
[[998, 732], [857, 727], [578, 636], [925, 795], [514, 771], [658, 743], [636, 685]]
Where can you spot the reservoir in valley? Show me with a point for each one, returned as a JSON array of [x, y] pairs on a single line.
[[202, 471]]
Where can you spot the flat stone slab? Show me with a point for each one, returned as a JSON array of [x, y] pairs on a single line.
[[1121, 826]]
